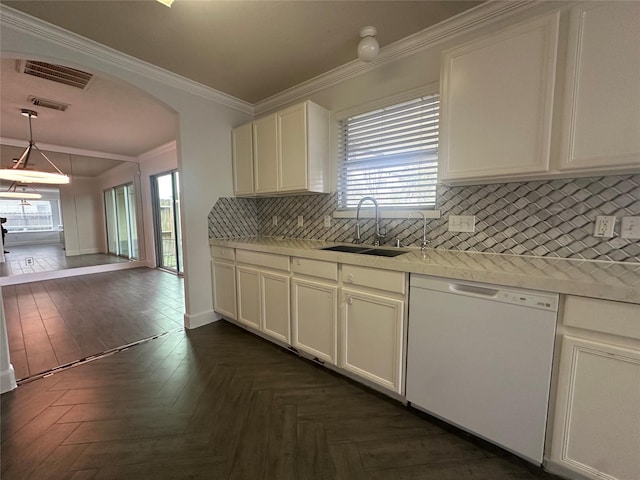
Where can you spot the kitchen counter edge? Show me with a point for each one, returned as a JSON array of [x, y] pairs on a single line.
[[614, 281]]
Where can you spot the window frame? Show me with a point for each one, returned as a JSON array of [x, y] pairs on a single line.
[[386, 211], [54, 205]]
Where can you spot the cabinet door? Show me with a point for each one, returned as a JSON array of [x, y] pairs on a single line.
[[597, 423], [248, 296], [497, 102], [292, 127], [275, 305], [315, 318], [602, 89], [242, 138], [371, 338], [224, 288], [265, 154]]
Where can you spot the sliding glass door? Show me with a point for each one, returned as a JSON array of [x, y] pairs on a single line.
[[168, 236], [120, 215]]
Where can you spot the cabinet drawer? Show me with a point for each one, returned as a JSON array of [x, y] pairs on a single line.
[[614, 318], [269, 260], [315, 268], [374, 278], [223, 253]]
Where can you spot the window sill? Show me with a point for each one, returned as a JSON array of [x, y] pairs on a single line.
[[386, 213]]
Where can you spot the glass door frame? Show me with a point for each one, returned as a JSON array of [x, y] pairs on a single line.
[[157, 221], [109, 196]]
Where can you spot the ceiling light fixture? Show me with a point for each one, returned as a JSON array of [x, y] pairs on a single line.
[[368, 47], [12, 192], [19, 172], [166, 2]]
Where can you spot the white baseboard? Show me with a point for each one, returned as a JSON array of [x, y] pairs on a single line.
[[84, 251], [556, 468], [8, 380], [200, 319]]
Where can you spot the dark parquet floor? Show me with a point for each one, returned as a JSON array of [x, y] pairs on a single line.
[[55, 322], [219, 403]]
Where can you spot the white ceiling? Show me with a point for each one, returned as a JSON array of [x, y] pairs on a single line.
[[247, 49]]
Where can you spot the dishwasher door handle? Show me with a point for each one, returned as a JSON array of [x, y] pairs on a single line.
[[473, 290]]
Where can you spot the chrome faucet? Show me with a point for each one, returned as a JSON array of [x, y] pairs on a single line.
[[380, 234], [425, 242]]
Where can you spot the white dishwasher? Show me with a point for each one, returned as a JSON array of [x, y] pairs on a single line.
[[479, 357]]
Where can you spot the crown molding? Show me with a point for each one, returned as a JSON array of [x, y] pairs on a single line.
[[155, 152], [480, 16], [16, 20], [50, 147]]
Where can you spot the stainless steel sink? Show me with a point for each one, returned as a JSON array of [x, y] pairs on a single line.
[[381, 252], [346, 248]]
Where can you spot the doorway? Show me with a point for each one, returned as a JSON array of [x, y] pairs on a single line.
[[168, 236], [120, 214]]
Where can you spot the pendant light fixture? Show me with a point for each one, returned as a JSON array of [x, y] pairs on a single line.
[[20, 173], [368, 47], [12, 192]]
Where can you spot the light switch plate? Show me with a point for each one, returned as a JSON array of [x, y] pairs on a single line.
[[630, 227], [462, 223]]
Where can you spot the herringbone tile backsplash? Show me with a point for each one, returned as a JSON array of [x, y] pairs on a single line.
[[543, 218]]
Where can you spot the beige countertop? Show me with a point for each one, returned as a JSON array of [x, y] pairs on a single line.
[[604, 280]]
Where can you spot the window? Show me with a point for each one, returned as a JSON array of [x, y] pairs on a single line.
[[29, 216], [391, 154]]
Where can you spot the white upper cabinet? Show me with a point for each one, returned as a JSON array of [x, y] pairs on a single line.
[[242, 142], [292, 125], [289, 152], [265, 154], [601, 115], [497, 103]]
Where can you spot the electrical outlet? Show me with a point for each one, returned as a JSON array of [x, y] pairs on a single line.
[[274, 220], [327, 221], [630, 227], [300, 221], [462, 223], [604, 226]]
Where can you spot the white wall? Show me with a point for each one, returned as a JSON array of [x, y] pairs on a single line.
[[203, 143], [81, 203]]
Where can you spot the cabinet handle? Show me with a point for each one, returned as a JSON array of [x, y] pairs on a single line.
[[350, 278], [349, 300]]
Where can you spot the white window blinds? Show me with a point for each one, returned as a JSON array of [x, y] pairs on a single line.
[[391, 154]]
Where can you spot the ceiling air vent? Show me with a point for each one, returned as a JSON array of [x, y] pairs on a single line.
[[56, 73], [52, 104]]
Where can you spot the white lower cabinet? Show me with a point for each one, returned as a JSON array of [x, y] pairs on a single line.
[[224, 288], [274, 305], [344, 315], [372, 325], [223, 276], [372, 337], [248, 296], [315, 318], [597, 412], [314, 308], [263, 293]]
